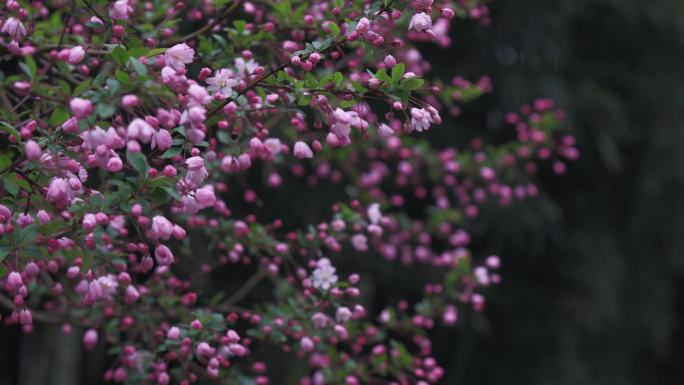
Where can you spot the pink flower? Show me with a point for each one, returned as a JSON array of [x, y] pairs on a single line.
[[114, 164], [140, 129], [162, 139], [75, 55], [14, 28], [302, 150], [306, 344], [198, 95], [343, 314], [222, 82], [25, 317], [385, 131], [422, 5], [205, 196], [120, 10], [178, 56], [163, 255], [81, 108], [173, 333], [90, 339], [32, 150], [420, 119], [129, 101], [14, 281], [161, 228], [57, 191], [420, 22]]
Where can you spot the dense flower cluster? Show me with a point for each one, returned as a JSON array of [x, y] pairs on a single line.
[[126, 123]]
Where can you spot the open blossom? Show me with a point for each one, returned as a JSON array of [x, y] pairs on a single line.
[[323, 277], [302, 150], [140, 129], [245, 68], [178, 56], [374, 213], [420, 119], [196, 171], [420, 22], [222, 82], [14, 27], [120, 10]]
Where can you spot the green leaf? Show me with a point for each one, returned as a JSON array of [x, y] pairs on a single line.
[[334, 29], [58, 116], [171, 152], [105, 110], [138, 161], [122, 77], [82, 86], [411, 84], [120, 55], [138, 52], [139, 67], [397, 72], [10, 186]]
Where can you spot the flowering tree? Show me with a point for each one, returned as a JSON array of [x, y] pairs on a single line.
[[137, 134]]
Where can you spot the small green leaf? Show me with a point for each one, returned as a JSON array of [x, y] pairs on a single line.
[[139, 67], [334, 29], [120, 55], [411, 84], [58, 116], [138, 161], [397, 72], [122, 77], [171, 152], [82, 86]]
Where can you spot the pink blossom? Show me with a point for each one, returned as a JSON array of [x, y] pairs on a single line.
[[302, 150], [81, 108], [120, 10], [14, 27], [32, 150], [90, 339], [161, 228], [178, 56], [420, 22], [163, 255]]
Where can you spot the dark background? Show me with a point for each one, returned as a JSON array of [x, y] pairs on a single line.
[[593, 289]]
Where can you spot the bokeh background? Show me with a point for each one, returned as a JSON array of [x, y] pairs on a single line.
[[593, 289]]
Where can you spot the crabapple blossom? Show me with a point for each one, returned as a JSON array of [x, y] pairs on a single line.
[[158, 175]]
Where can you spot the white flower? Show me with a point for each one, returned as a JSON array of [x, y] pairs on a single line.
[[324, 276], [222, 82]]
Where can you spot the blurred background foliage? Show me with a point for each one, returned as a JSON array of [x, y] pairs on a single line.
[[593, 289]]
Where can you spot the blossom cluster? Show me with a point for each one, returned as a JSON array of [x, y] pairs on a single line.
[[139, 139]]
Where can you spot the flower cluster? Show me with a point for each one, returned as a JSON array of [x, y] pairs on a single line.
[[141, 138]]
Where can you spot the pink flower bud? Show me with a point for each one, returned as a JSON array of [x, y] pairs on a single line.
[[32, 150], [163, 255], [90, 339], [81, 108]]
